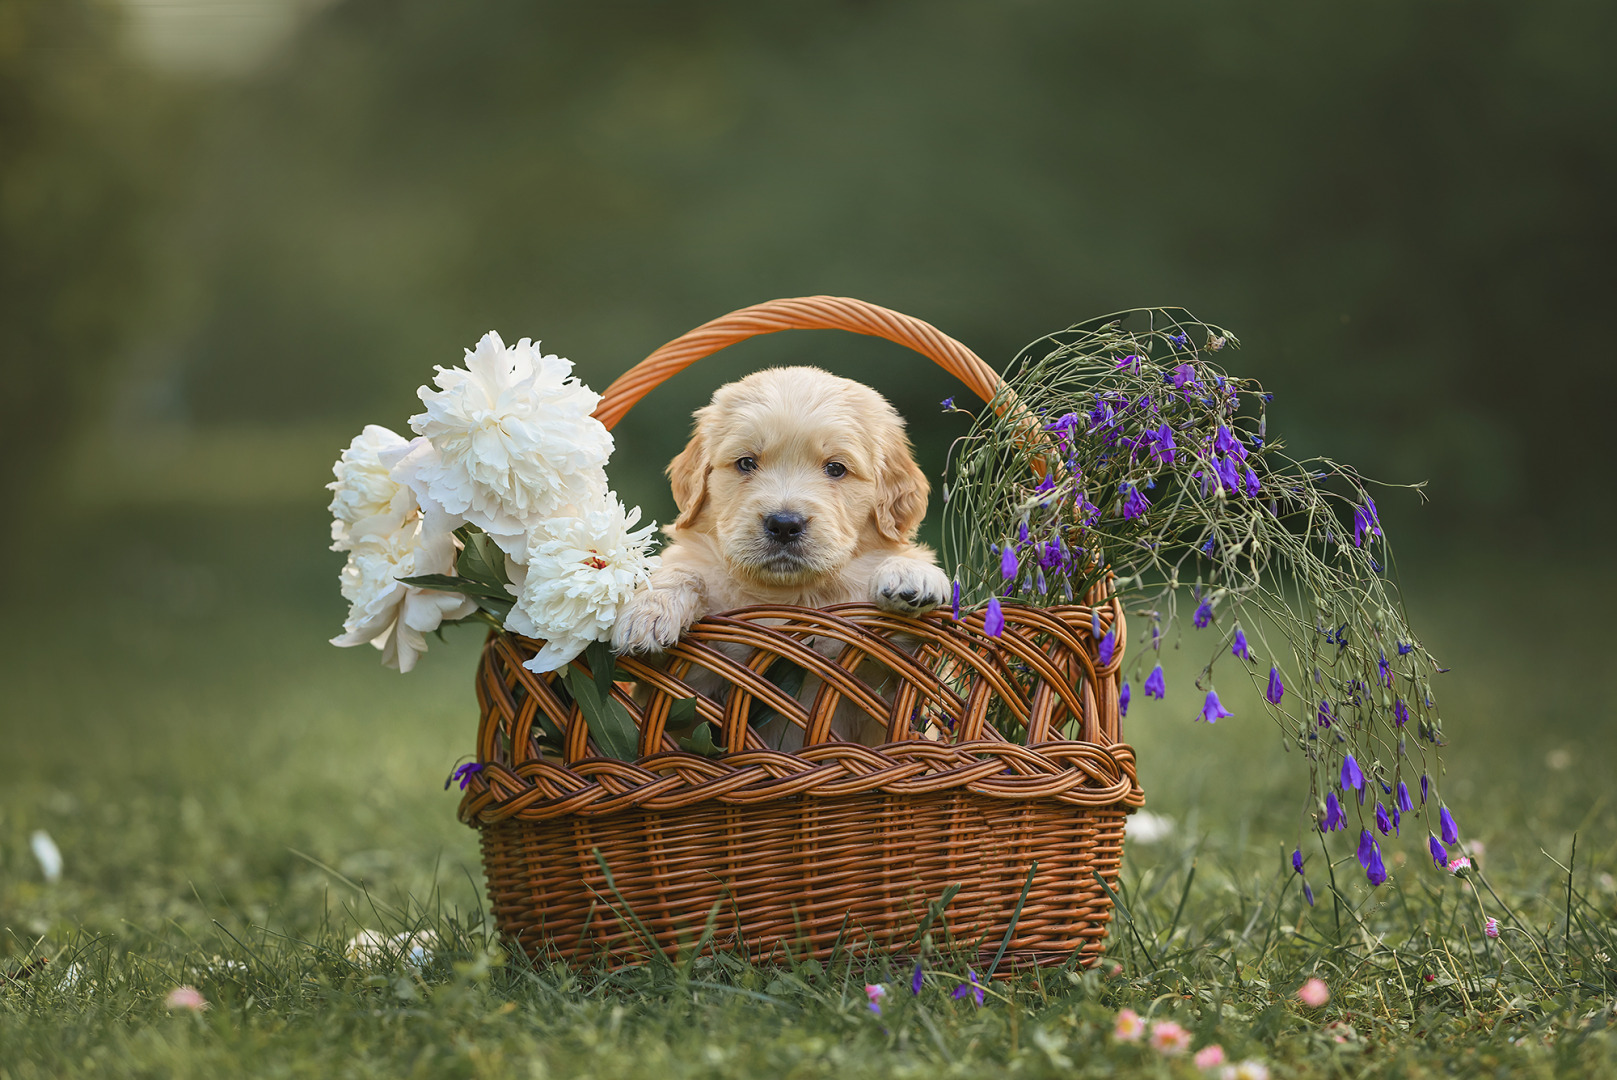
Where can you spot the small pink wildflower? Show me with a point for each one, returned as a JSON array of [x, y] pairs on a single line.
[[1129, 1026], [1169, 1038], [1208, 1056], [1491, 927], [1459, 864], [875, 992], [186, 997], [1314, 993]]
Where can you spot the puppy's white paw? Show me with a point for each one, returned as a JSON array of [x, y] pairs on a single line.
[[908, 586], [654, 619]]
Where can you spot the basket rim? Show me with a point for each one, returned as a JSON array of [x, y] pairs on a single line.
[[1077, 772]]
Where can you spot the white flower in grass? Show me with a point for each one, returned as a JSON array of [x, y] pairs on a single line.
[[364, 489], [405, 541], [580, 569], [47, 854], [512, 434]]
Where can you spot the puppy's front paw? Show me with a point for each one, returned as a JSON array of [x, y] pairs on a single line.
[[654, 619], [909, 586]]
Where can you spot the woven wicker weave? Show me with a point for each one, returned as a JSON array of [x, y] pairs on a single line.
[[836, 844]]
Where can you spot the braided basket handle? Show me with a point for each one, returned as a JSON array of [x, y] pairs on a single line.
[[799, 313]]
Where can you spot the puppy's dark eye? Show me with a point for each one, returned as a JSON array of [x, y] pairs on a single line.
[[746, 464], [834, 469]]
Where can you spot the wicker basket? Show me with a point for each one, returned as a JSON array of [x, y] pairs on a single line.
[[837, 845]]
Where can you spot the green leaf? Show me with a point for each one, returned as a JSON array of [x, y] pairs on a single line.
[[681, 712], [609, 722], [784, 674], [701, 740], [446, 583], [481, 559], [598, 654]]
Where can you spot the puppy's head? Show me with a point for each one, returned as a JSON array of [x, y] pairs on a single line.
[[794, 471]]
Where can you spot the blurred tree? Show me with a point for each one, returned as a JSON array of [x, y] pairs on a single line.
[[87, 154], [1402, 208]]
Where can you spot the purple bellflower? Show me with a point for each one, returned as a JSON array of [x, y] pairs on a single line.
[[1367, 844], [1134, 503], [1425, 784], [1156, 685], [1240, 647], [1334, 818], [464, 773], [1365, 522], [1385, 671], [1451, 832], [1225, 442], [1277, 689], [1297, 860], [994, 618], [1127, 362], [973, 989], [1213, 710], [1383, 822], [1179, 341], [1400, 712], [1404, 802], [915, 980], [1440, 854], [1204, 614], [1108, 647], [1324, 712], [1352, 775], [1162, 445], [1375, 869], [956, 592], [1008, 564], [1252, 485], [1308, 894], [1123, 699], [948, 403], [1229, 473]]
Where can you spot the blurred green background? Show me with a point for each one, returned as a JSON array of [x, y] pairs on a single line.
[[234, 231]]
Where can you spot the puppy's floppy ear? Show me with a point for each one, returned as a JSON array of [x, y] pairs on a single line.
[[901, 486], [687, 475]]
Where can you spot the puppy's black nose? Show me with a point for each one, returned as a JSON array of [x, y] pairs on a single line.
[[785, 527]]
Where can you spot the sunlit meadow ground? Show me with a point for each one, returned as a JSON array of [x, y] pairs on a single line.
[[234, 799]]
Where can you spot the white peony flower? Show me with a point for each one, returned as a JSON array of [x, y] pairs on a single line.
[[512, 436], [385, 612], [581, 567], [363, 489]]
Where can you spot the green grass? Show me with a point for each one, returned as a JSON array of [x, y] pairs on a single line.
[[234, 800]]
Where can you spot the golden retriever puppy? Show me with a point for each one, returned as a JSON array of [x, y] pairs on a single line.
[[797, 487]]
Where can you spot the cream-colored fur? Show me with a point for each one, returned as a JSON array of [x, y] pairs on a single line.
[[768, 445]]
